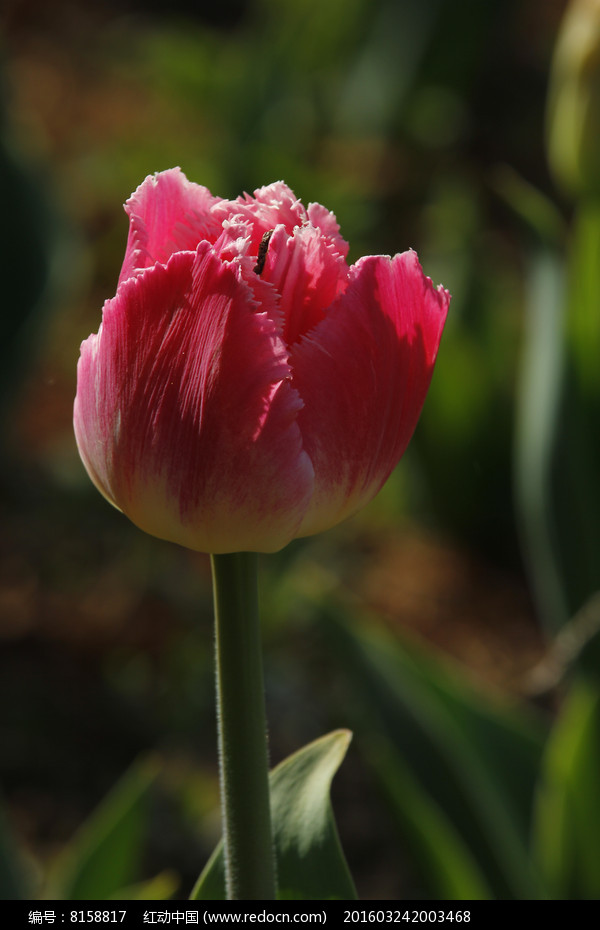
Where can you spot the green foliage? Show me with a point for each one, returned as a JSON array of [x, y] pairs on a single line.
[[450, 869], [310, 861], [159, 888], [104, 858], [538, 434], [574, 101], [583, 330], [566, 832], [469, 767], [577, 456], [557, 450]]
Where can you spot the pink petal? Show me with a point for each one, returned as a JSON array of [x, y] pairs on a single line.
[[324, 220], [363, 374], [308, 273], [167, 213], [185, 415], [270, 206]]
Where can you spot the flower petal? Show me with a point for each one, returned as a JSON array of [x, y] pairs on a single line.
[[363, 374], [308, 273], [270, 206], [324, 220], [185, 415], [167, 214]]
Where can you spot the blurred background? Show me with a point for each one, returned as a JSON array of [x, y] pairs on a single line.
[[451, 624]]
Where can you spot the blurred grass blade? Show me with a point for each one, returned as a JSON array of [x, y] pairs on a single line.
[[557, 451], [104, 856], [475, 762], [310, 862], [566, 833], [435, 845], [538, 412], [537, 211], [161, 887], [574, 651], [578, 497], [395, 39], [584, 287]]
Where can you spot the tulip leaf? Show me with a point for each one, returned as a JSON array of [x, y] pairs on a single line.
[[310, 862], [103, 857], [566, 833], [475, 762]]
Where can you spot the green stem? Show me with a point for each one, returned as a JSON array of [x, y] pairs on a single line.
[[244, 768]]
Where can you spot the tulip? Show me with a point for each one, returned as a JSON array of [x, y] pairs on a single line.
[[246, 386]]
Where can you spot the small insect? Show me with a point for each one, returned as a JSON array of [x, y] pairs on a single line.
[[262, 251]]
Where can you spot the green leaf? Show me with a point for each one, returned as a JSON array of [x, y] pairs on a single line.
[[538, 429], [161, 887], [576, 460], [435, 844], [310, 861], [583, 325], [566, 832], [557, 448], [473, 761], [103, 858]]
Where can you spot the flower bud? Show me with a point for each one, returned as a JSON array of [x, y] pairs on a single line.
[[246, 385]]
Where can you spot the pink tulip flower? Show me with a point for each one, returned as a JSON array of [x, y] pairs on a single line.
[[247, 386]]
